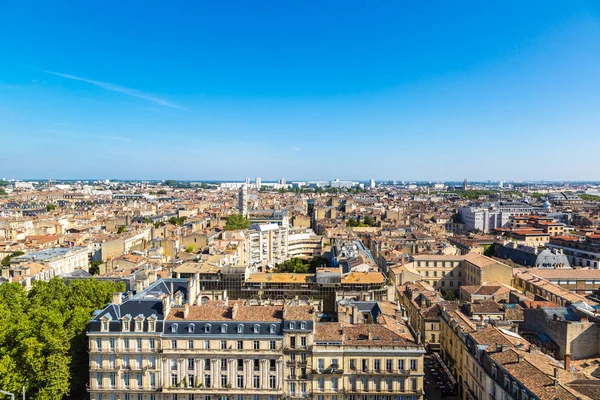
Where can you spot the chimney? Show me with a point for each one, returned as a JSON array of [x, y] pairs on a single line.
[[166, 303], [567, 362], [399, 315], [532, 348], [186, 310], [418, 337], [370, 334], [117, 297], [519, 357], [555, 373], [139, 286]]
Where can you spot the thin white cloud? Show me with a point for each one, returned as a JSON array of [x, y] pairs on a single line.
[[121, 89], [121, 138]]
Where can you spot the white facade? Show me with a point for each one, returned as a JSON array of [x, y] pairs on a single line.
[[268, 244], [60, 260], [488, 216], [243, 201]]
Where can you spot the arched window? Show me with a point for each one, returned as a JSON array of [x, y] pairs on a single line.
[[224, 328], [292, 325], [191, 328], [302, 325], [256, 328], [207, 328], [272, 329], [240, 328], [174, 328]]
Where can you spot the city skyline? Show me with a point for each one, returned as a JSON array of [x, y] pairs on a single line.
[[349, 90]]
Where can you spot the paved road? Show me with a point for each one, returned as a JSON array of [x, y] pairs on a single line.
[[431, 391]]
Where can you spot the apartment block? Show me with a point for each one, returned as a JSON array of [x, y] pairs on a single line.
[[168, 342]]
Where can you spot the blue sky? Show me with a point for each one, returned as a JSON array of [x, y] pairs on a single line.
[[406, 90]]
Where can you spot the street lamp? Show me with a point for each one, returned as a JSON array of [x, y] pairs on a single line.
[[12, 396]]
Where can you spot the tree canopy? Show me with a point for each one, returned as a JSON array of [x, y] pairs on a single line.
[[94, 268], [50, 207], [449, 295], [6, 260], [295, 265], [472, 194], [589, 197], [300, 266], [237, 221], [177, 220], [367, 221], [177, 184], [43, 343]]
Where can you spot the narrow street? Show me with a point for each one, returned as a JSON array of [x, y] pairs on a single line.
[[431, 382]]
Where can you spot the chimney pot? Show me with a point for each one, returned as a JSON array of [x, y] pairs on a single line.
[[567, 362]]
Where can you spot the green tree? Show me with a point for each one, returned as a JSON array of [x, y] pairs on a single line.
[[43, 342], [177, 220], [147, 220], [589, 197], [50, 207], [94, 268], [237, 221], [3, 192], [121, 229], [368, 220], [162, 192], [450, 295], [6, 260], [190, 248], [294, 265]]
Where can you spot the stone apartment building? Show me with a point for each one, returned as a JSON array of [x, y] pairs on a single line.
[[492, 363], [169, 342], [447, 272]]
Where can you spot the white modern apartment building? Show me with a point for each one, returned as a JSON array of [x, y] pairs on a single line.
[[487, 216], [304, 243], [268, 244]]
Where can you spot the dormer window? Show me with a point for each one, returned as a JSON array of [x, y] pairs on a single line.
[[138, 326], [174, 328], [191, 328], [272, 329], [292, 325], [151, 326], [126, 326], [104, 327], [240, 328], [224, 328], [207, 328], [302, 325], [256, 328]]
